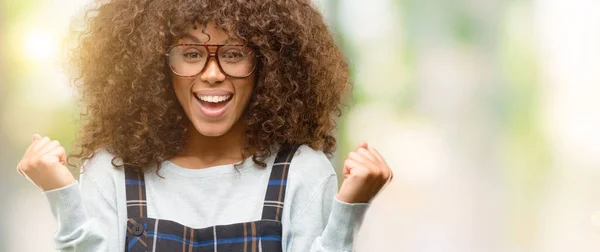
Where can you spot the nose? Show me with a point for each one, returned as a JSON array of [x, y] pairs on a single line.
[[212, 73]]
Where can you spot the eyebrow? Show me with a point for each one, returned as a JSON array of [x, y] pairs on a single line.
[[191, 37], [197, 40]]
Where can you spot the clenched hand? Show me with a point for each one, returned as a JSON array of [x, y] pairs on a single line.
[[365, 173], [44, 164]]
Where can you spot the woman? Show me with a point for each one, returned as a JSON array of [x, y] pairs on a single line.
[[208, 127]]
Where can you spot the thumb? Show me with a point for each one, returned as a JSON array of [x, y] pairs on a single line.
[[362, 144], [36, 137]]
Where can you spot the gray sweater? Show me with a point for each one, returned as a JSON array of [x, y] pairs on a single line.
[[92, 214]]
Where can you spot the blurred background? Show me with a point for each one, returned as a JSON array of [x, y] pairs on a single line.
[[486, 110]]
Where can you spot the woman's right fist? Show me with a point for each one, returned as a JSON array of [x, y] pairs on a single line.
[[44, 164]]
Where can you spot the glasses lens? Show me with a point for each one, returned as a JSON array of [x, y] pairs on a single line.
[[237, 61], [187, 60]]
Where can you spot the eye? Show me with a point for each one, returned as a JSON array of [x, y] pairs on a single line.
[[233, 55], [192, 55]]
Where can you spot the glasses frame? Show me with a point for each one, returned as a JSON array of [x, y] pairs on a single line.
[[211, 54]]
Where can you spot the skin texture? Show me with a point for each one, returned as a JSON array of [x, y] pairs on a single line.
[[43, 164], [365, 174], [139, 111], [220, 140], [212, 79]]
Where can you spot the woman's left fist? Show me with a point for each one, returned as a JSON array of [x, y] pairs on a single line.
[[365, 173]]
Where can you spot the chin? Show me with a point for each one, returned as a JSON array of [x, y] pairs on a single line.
[[212, 129]]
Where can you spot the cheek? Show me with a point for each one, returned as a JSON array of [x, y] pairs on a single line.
[[246, 88], [179, 87]]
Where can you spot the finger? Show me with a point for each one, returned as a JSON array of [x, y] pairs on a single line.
[[346, 171], [360, 159], [387, 170], [389, 181], [380, 170], [362, 144], [374, 170], [377, 155], [367, 154], [36, 137], [58, 153], [39, 144], [356, 168], [19, 170], [49, 146], [50, 159], [386, 173], [360, 171], [63, 156]]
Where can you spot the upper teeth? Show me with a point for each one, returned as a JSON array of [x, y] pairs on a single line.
[[208, 98]]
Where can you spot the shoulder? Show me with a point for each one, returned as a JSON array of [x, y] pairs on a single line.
[[309, 168], [99, 170], [308, 160], [100, 157], [101, 161], [311, 185]]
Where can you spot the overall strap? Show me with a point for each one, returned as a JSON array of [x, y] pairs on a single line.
[[275, 195], [135, 191]]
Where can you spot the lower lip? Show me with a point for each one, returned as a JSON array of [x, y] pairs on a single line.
[[212, 112]]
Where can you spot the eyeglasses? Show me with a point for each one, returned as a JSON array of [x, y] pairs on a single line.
[[189, 60]]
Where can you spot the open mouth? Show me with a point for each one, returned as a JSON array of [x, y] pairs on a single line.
[[213, 101], [213, 105]]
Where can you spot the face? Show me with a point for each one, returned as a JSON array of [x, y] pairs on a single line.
[[213, 101]]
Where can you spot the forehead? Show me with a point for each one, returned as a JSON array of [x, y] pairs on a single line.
[[207, 34]]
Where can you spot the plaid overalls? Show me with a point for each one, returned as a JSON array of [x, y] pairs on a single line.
[[148, 234]]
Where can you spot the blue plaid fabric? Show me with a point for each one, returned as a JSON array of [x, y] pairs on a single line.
[[148, 234]]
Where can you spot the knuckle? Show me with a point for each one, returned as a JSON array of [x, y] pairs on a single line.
[[389, 178], [349, 161], [24, 166], [27, 167], [384, 176], [34, 161], [375, 175]]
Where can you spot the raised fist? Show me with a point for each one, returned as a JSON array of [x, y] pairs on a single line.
[[365, 173], [44, 164]]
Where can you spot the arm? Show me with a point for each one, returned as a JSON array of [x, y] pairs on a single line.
[[85, 215], [86, 219], [321, 219], [325, 223]]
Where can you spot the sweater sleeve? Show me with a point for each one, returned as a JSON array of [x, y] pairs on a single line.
[[326, 224], [86, 217]]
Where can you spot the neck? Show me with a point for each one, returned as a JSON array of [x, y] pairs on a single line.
[[202, 151]]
